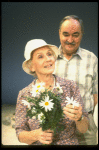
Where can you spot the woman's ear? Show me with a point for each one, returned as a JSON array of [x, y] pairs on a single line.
[[32, 68]]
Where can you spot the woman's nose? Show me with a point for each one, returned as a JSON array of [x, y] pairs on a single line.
[[48, 58]]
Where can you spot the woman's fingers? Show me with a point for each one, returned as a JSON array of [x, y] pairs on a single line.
[[73, 113], [46, 136]]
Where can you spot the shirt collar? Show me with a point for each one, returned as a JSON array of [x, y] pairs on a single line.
[[77, 53]]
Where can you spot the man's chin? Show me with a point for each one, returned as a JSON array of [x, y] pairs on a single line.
[[70, 51]]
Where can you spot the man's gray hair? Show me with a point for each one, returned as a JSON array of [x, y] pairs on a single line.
[[75, 18]]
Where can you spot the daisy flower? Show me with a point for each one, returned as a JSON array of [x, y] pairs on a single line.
[[34, 91], [26, 104], [37, 88], [33, 110], [59, 89], [40, 86], [41, 117], [71, 101], [47, 104]]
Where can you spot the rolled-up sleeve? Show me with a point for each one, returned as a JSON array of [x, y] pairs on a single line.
[[95, 78], [20, 116]]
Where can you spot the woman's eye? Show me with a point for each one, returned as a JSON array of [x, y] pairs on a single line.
[[40, 56], [66, 35], [49, 54]]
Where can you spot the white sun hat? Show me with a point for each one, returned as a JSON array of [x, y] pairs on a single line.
[[30, 47]]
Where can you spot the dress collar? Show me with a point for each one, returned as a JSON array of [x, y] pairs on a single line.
[[34, 81], [61, 81]]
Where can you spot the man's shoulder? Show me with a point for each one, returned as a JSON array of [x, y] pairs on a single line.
[[87, 53]]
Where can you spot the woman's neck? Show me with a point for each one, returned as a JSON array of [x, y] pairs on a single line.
[[47, 79]]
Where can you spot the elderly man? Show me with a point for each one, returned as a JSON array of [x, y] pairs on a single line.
[[80, 65]]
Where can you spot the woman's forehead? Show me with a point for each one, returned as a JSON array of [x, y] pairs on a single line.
[[42, 50]]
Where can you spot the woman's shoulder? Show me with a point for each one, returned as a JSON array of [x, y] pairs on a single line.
[[27, 89], [64, 81]]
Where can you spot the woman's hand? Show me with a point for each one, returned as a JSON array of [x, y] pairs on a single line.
[[73, 113], [29, 137], [45, 137]]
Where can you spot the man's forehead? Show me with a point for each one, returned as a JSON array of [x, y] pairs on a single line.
[[71, 24]]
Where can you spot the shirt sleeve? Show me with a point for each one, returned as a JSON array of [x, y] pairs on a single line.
[[95, 78], [20, 116]]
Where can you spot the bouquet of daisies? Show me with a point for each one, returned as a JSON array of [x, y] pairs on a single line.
[[45, 105]]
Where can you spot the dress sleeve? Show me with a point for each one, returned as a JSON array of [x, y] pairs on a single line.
[[21, 121], [75, 93]]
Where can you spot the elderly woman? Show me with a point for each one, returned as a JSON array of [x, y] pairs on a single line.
[[40, 61]]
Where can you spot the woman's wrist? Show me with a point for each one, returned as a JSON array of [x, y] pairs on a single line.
[[29, 137], [35, 135], [81, 118]]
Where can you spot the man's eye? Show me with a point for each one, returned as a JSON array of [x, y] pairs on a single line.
[[76, 35], [65, 34]]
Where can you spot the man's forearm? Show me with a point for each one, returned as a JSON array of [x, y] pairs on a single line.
[[82, 125], [95, 99]]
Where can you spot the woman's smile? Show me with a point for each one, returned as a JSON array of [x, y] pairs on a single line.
[[48, 66]]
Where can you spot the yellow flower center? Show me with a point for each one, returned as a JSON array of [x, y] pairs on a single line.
[[46, 103], [38, 86], [36, 91]]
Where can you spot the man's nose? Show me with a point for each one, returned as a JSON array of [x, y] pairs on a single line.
[[70, 39]]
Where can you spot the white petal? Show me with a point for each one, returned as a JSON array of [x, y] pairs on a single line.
[[51, 100], [67, 103], [68, 98], [41, 103], [26, 103], [75, 103], [46, 98], [46, 108], [71, 98]]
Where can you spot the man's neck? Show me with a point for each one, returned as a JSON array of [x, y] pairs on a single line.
[[68, 57]]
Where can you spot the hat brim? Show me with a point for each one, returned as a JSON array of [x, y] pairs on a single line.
[[25, 64], [26, 67]]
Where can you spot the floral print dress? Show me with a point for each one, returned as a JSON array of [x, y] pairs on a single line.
[[65, 137]]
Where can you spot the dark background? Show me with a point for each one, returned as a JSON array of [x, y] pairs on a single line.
[[23, 21]]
